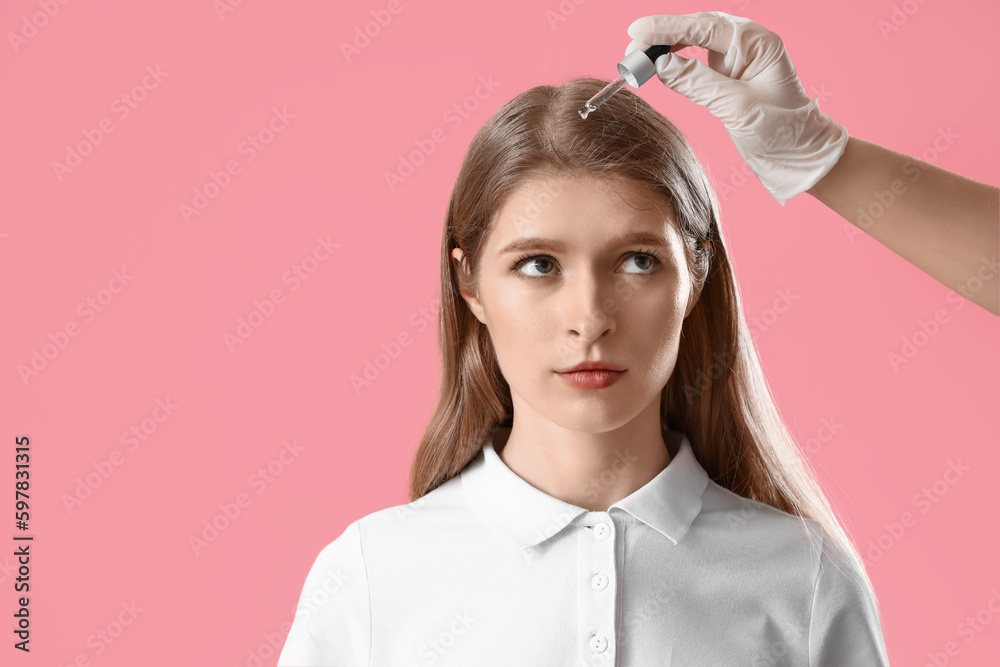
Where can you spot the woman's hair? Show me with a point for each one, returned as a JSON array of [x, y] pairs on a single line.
[[717, 394]]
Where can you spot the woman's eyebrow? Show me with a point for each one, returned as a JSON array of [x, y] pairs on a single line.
[[551, 245]]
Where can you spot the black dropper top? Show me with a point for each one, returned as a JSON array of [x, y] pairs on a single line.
[[656, 51]]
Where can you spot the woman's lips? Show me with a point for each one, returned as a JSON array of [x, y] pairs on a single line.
[[592, 379]]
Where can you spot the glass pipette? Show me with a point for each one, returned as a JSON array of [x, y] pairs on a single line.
[[635, 69]]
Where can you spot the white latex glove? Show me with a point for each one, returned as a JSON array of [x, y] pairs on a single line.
[[751, 85]]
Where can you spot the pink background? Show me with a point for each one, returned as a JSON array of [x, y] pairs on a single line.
[[162, 336]]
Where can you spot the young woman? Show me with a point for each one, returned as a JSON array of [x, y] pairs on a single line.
[[655, 511]]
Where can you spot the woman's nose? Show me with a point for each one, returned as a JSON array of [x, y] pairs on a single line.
[[588, 300]]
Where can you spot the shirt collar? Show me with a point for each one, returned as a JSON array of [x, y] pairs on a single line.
[[668, 503]]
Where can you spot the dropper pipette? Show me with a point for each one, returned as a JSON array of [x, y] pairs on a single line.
[[635, 69]]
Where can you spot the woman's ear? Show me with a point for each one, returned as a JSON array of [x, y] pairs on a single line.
[[461, 263]]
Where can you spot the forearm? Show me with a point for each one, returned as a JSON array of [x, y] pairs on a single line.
[[944, 224]]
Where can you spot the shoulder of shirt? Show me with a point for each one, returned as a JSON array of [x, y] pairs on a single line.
[[758, 521], [444, 508], [784, 536]]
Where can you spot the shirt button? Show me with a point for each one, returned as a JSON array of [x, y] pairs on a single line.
[[599, 582], [598, 643], [601, 531]]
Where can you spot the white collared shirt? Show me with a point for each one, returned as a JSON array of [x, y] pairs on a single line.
[[488, 570]]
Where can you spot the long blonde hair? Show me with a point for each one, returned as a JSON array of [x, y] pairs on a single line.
[[717, 395]]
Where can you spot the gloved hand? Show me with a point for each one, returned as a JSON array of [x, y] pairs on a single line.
[[751, 85]]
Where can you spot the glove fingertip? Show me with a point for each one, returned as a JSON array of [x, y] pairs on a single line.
[[640, 27]]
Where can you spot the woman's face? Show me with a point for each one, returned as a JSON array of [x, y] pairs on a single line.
[[577, 286]]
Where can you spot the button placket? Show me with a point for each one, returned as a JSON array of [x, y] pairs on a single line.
[[597, 589]]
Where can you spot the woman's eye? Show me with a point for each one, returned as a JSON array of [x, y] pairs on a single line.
[[533, 260], [646, 262]]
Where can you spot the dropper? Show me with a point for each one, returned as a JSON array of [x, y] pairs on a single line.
[[635, 69]]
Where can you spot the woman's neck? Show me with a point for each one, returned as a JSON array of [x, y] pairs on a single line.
[[588, 470]]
